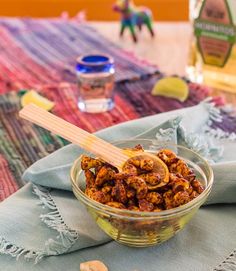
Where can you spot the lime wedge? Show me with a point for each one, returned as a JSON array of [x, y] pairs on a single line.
[[32, 97], [172, 87]]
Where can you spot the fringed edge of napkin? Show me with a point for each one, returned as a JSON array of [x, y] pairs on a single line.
[[15, 251], [197, 142], [229, 264], [216, 116], [66, 237]]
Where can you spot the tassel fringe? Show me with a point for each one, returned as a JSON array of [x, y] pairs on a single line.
[[197, 142], [216, 116], [64, 241], [15, 251]]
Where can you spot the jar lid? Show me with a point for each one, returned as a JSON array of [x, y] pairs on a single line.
[[95, 63]]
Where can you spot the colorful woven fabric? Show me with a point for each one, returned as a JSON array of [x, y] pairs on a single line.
[[41, 52], [20, 144]]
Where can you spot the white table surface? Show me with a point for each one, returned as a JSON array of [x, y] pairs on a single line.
[[168, 49]]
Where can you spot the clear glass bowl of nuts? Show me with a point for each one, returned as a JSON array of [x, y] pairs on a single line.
[[141, 206]]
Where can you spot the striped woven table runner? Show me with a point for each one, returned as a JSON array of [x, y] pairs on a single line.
[[36, 52]]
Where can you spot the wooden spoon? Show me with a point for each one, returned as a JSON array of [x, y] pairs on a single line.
[[108, 152]]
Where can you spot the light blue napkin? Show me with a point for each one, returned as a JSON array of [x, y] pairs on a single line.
[[50, 221]]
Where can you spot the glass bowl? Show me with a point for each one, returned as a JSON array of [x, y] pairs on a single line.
[[143, 229]]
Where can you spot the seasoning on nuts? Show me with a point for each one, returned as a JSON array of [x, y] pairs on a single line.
[[142, 186]]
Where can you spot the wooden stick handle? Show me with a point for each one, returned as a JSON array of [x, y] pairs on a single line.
[[74, 134]]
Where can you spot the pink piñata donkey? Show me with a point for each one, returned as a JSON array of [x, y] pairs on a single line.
[[133, 16]]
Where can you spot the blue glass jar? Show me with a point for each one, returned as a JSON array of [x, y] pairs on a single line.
[[95, 75]]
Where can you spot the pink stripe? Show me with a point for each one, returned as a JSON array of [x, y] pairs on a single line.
[[8, 183]]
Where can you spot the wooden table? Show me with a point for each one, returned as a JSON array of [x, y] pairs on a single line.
[[168, 49]]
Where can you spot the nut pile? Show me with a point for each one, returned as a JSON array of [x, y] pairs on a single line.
[[139, 187]]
